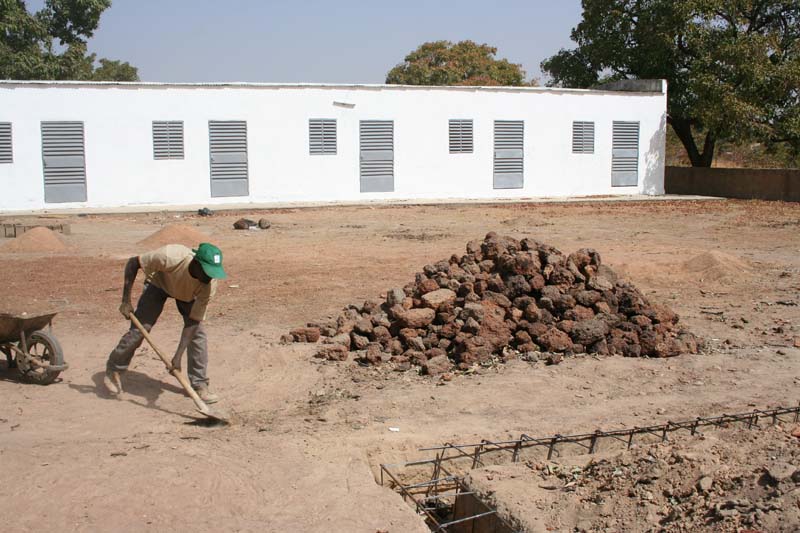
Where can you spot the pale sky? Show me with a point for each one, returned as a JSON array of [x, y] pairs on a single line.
[[343, 41]]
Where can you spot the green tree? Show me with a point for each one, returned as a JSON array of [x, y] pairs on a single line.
[[463, 63], [733, 66], [113, 70], [51, 43]]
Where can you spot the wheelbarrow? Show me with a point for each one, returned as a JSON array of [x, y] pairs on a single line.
[[30, 348]]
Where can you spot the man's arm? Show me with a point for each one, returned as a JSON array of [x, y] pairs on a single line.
[[188, 333], [196, 316], [131, 269]]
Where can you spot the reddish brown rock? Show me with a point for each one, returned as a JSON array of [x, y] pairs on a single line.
[[662, 314], [561, 277], [588, 332], [416, 357], [532, 312], [522, 337], [528, 347], [305, 334], [472, 310], [564, 303], [599, 283], [600, 347], [448, 330], [579, 312], [396, 311], [602, 307], [333, 352], [381, 334], [438, 298], [395, 347], [653, 344], [566, 326], [537, 282], [427, 286], [434, 352], [537, 329], [497, 298], [588, 298], [363, 327], [343, 339], [358, 342], [373, 354], [523, 263], [416, 318], [416, 343], [555, 340], [641, 321], [494, 328], [438, 365]]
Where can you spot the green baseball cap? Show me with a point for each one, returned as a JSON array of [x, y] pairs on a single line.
[[210, 258]]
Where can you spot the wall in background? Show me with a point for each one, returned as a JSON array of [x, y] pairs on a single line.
[[121, 169], [746, 183]]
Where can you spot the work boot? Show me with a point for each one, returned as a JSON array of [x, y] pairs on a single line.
[[205, 394], [113, 382]]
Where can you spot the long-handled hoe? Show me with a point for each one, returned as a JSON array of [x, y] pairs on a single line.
[[202, 408]]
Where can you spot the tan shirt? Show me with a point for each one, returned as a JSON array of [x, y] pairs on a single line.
[[168, 269]]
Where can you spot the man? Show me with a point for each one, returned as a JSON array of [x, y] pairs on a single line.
[[188, 276]]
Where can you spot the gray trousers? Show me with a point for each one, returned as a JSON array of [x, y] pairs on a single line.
[[148, 309]]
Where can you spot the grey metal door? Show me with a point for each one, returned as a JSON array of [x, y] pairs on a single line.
[[228, 154], [625, 154], [508, 154], [6, 155], [376, 138], [64, 162]]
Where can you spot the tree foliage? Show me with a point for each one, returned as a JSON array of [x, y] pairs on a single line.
[[51, 43], [462, 63], [733, 66]]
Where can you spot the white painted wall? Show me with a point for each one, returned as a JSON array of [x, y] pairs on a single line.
[[121, 170]]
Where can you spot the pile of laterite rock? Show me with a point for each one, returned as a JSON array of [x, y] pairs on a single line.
[[503, 298]]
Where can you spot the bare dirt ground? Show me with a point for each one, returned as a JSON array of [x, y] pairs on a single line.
[[721, 481], [303, 452]]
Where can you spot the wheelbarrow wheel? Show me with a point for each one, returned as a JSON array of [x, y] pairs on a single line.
[[43, 351]]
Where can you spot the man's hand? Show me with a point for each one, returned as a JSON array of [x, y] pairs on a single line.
[[126, 309]]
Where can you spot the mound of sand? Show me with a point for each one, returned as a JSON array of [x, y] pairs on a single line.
[[175, 234], [715, 265], [38, 239]]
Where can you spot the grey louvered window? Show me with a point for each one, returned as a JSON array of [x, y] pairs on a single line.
[[582, 137], [460, 136], [6, 155], [322, 136], [228, 154], [167, 139], [508, 154], [64, 162], [376, 139], [625, 154]]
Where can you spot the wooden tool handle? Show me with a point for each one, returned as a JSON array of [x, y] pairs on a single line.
[[201, 405]]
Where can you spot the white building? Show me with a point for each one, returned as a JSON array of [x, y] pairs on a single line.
[[97, 145]]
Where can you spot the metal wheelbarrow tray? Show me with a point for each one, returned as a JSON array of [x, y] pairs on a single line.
[[34, 351]]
